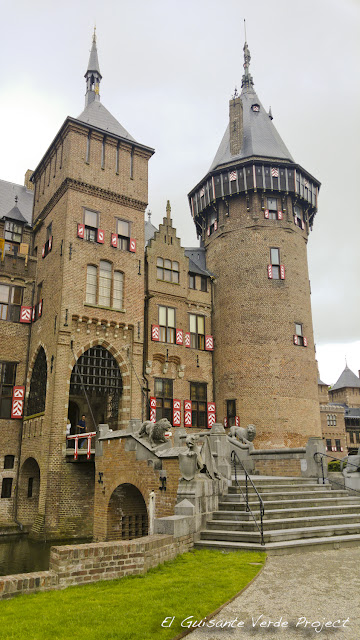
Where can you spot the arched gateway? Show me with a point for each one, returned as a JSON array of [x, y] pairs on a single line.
[[127, 514]]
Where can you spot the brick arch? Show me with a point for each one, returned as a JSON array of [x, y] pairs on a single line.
[[28, 505], [127, 515]]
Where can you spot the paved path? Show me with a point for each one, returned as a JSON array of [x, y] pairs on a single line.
[[316, 586]]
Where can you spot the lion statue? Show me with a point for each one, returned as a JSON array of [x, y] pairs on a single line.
[[245, 436], [155, 431]]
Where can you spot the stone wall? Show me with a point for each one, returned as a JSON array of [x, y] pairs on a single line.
[[85, 563]]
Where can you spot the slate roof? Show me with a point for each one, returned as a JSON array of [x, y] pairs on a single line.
[[150, 231], [352, 413], [93, 59], [8, 191], [323, 383], [260, 136], [197, 261], [347, 379], [98, 116]]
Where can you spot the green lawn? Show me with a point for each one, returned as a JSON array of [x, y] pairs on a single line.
[[133, 608]]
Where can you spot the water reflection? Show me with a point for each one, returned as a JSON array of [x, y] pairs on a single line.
[[21, 555]]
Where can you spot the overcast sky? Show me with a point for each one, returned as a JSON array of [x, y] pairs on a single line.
[[169, 68]]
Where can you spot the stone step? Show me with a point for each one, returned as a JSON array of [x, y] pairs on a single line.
[[334, 510], [278, 535], [286, 546], [285, 488], [264, 480], [286, 523], [274, 495], [287, 504]]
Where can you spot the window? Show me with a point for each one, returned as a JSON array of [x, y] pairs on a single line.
[[331, 420], [352, 436], [30, 487], [167, 270], [298, 217], [13, 234], [337, 445], [212, 223], [198, 397], [164, 398], [231, 412], [328, 445], [91, 225], [49, 231], [10, 302], [192, 281], [9, 462], [275, 263], [272, 208], [203, 283], [6, 487], [299, 334], [107, 290], [197, 331], [123, 231], [7, 381], [167, 324], [37, 394]]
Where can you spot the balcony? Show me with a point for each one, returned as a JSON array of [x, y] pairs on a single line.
[[76, 453]]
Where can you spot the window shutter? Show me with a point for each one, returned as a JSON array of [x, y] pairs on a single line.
[[302, 225], [266, 213], [296, 340], [176, 413], [270, 275], [187, 413], [81, 231], [132, 246], [17, 405], [209, 343], [40, 308], [215, 225], [280, 215], [208, 231], [282, 272], [187, 339], [33, 313], [43, 252], [100, 236], [225, 422], [237, 421], [155, 332], [179, 336], [211, 414], [114, 240], [305, 342], [152, 409], [50, 243], [25, 314]]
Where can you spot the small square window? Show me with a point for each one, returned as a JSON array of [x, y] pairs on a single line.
[[9, 462]]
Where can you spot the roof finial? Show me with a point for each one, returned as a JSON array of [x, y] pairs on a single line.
[[168, 210], [149, 215], [247, 80], [16, 199], [94, 34]]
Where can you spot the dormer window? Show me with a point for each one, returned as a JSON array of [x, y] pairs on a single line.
[[13, 234], [255, 107]]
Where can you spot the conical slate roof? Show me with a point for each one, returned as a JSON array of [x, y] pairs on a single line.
[[93, 59], [347, 379], [8, 192], [260, 138], [15, 214], [98, 116]]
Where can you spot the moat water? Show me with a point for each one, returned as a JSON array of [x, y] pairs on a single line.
[[21, 555]]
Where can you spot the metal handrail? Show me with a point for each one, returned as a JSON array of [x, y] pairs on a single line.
[[325, 455], [235, 458]]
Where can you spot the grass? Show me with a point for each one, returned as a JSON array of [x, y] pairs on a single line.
[[133, 608]]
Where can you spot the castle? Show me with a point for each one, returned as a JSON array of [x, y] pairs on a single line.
[[104, 315]]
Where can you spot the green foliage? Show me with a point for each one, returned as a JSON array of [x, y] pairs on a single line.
[[334, 465], [194, 584]]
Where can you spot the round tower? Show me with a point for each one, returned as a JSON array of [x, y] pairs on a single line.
[[253, 211]]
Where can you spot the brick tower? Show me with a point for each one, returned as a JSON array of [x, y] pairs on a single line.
[[253, 211], [87, 331]]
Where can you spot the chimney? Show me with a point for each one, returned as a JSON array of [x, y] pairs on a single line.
[[236, 125], [27, 182]]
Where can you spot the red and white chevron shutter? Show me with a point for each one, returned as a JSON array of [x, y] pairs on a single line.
[[270, 274], [81, 231], [215, 225], [114, 240], [211, 414], [187, 413], [40, 308], [296, 340], [50, 243], [43, 251], [25, 314], [282, 272], [266, 213], [100, 236], [179, 336], [280, 215], [176, 413], [305, 342], [209, 343], [226, 422], [302, 225], [187, 339], [208, 231], [155, 332], [237, 421], [17, 406], [152, 409], [132, 246]]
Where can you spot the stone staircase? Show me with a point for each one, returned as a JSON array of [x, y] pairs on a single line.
[[300, 515]]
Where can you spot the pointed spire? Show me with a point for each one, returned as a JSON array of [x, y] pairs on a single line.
[[93, 75], [247, 80], [168, 211]]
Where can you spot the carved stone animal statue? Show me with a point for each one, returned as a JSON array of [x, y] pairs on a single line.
[[245, 436], [155, 431]]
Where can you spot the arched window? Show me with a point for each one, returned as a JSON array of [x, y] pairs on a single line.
[[37, 395]]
